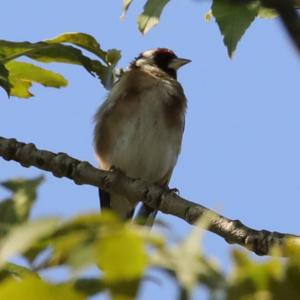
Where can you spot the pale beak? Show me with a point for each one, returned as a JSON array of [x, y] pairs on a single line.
[[177, 63]]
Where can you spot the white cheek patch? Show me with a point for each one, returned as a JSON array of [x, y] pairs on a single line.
[[144, 61], [149, 53]]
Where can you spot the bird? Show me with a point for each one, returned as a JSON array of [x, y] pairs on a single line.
[[139, 127]]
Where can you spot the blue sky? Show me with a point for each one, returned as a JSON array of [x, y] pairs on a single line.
[[241, 148]]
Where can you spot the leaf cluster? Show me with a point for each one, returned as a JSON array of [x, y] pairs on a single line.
[[232, 16], [16, 77], [124, 253]]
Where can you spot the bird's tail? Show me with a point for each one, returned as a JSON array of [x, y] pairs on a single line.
[[119, 204]]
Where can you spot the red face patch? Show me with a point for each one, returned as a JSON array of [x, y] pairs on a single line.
[[165, 51]]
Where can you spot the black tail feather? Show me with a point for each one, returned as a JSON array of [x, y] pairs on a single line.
[[130, 215], [105, 203]]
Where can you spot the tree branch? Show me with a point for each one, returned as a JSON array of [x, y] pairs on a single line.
[[163, 199]]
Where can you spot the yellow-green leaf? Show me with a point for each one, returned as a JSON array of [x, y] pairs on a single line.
[[74, 243], [23, 236], [21, 88], [187, 262], [251, 278], [24, 195], [233, 18], [208, 16], [82, 40], [42, 51], [33, 288], [55, 50], [45, 52], [113, 56], [88, 286], [15, 271], [151, 14], [122, 254], [22, 75], [267, 13], [4, 82], [126, 4]]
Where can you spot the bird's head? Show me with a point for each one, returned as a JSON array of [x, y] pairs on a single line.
[[162, 58]]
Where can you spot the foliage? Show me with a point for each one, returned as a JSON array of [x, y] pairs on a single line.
[[232, 16], [151, 14], [95, 239], [233, 20], [17, 77]]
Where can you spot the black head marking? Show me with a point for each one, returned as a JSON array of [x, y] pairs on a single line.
[[161, 57]]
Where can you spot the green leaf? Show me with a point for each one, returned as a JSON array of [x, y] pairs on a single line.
[[270, 13], [4, 82], [126, 4], [44, 52], [233, 18], [124, 290], [123, 259], [34, 251], [61, 53], [21, 89], [55, 50], [122, 254], [250, 278], [33, 288], [151, 14], [187, 262], [10, 50], [8, 216], [17, 209], [267, 13], [14, 271], [21, 237], [208, 16], [287, 287], [22, 75], [113, 56], [82, 40], [68, 54], [73, 248], [48, 53], [88, 286], [74, 241], [91, 221], [272, 278]]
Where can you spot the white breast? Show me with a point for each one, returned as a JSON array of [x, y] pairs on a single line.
[[146, 147]]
